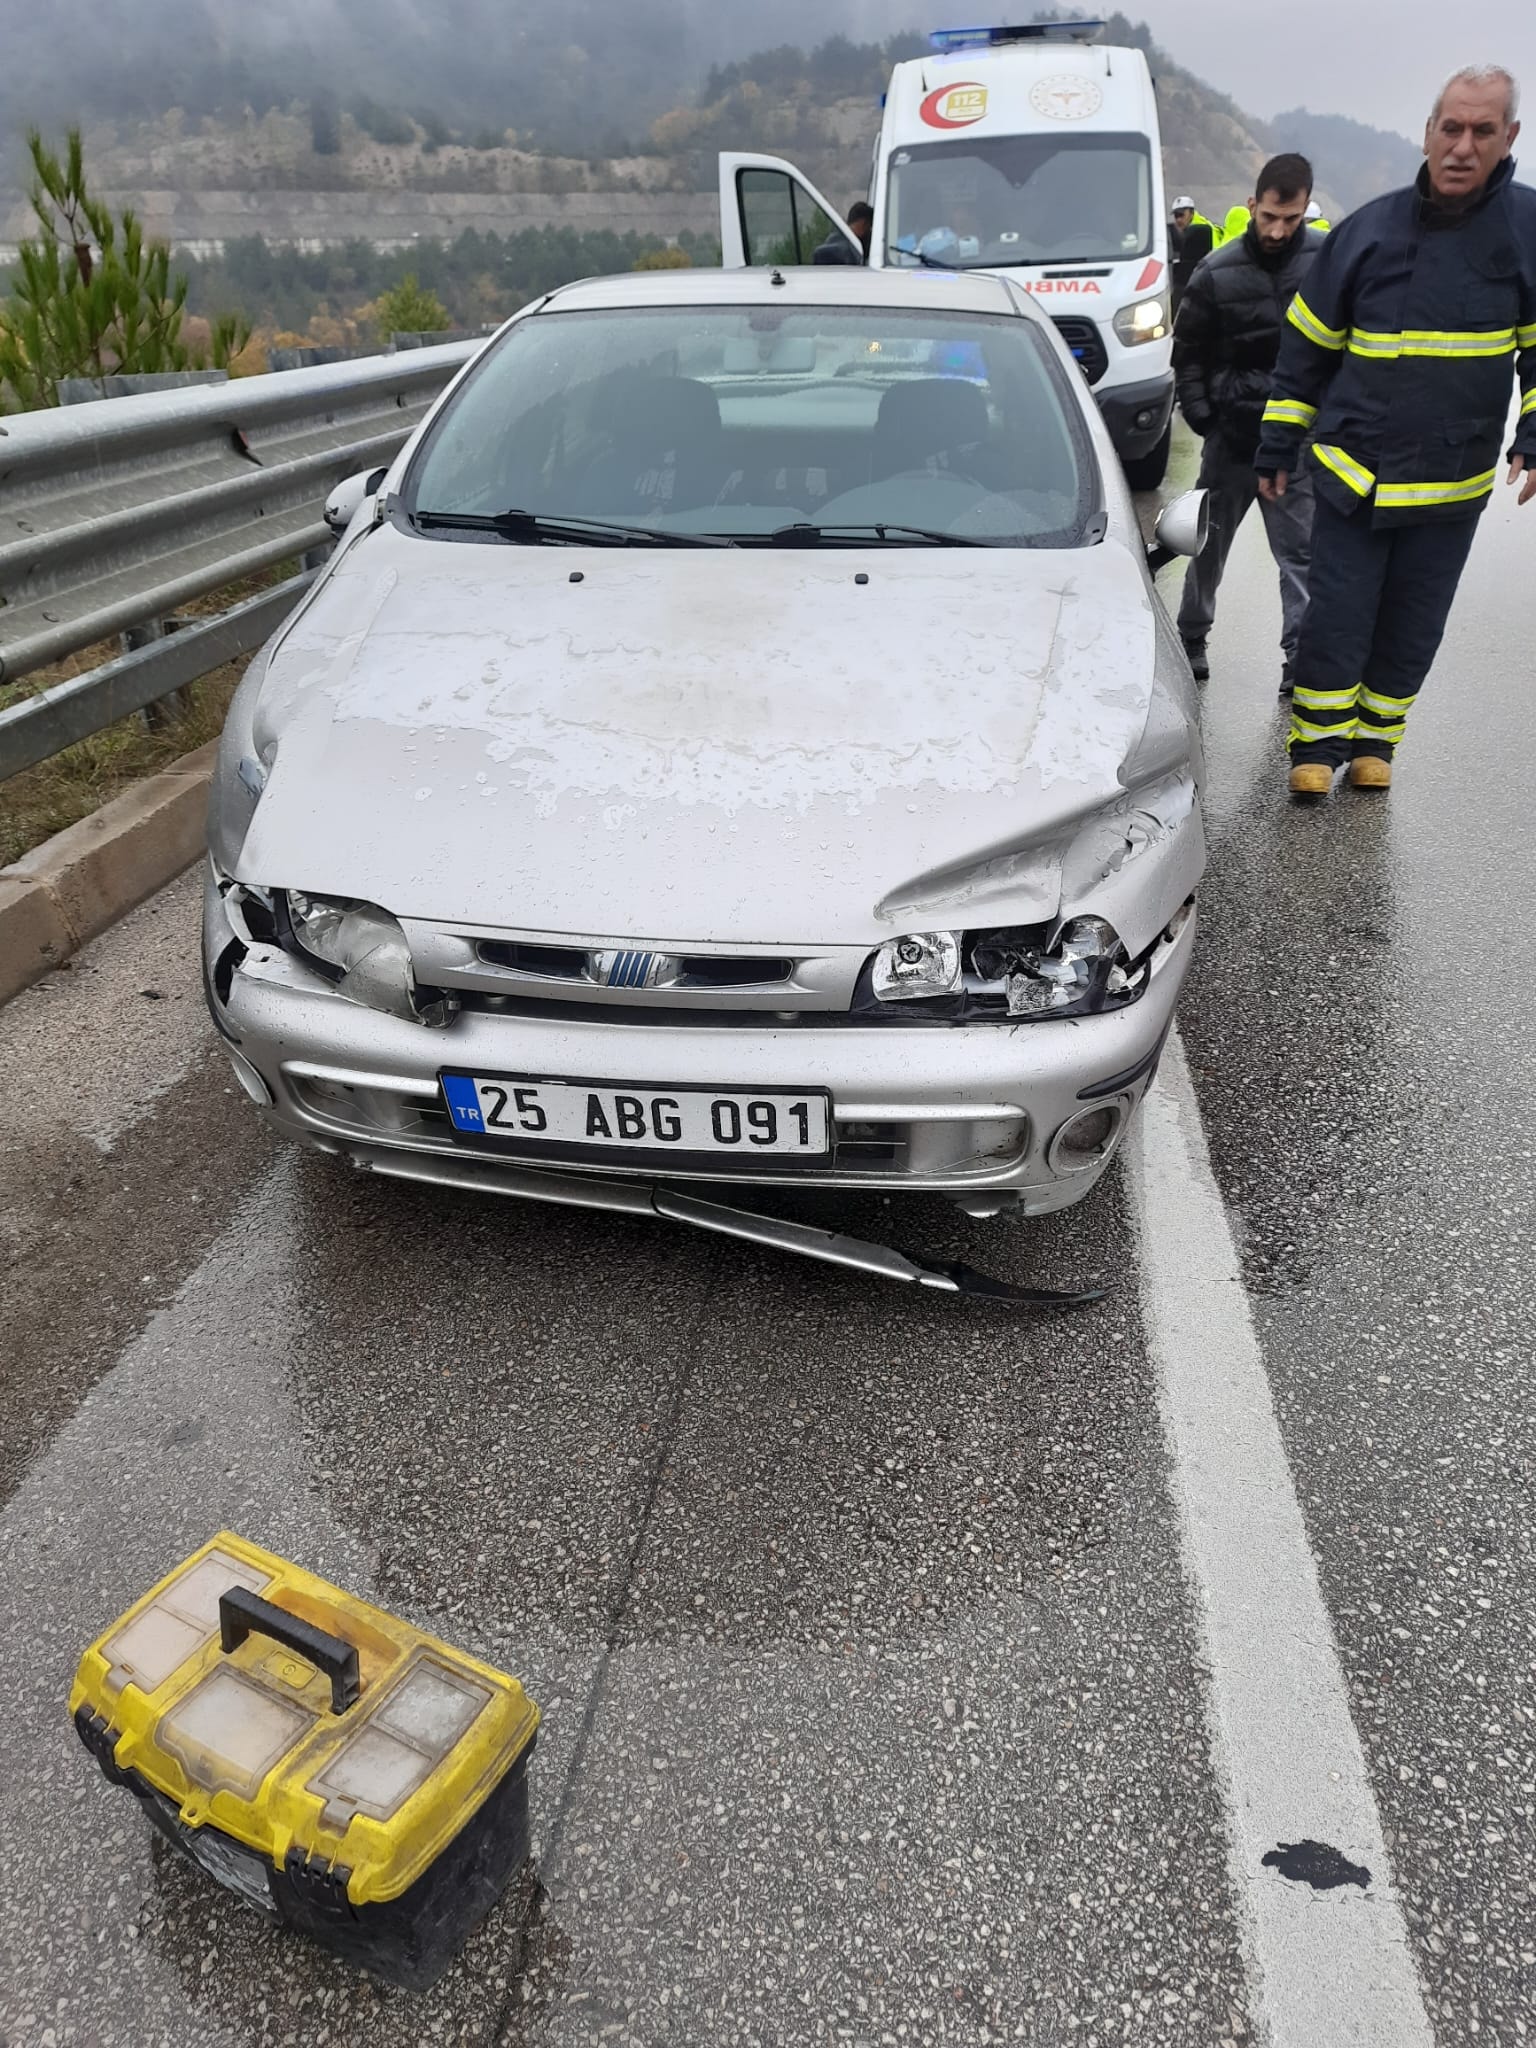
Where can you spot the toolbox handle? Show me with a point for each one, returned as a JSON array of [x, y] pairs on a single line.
[[243, 1613]]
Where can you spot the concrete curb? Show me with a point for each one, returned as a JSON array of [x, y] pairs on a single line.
[[85, 878]]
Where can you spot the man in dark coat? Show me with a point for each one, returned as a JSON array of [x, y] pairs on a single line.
[[1402, 352], [835, 249], [1225, 342]]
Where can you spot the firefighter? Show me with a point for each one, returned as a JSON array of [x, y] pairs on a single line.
[[1397, 368]]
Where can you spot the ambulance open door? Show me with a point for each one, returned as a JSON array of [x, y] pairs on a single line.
[[771, 213]]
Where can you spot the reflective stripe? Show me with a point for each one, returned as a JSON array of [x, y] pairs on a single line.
[[1360, 480], [1300, 730], [1289, 412], [1390, 733], [1429, 341], [1386, 707], [1302, 316], [1528, 403], [1396, 495], [1325, 700], [1526, 336]]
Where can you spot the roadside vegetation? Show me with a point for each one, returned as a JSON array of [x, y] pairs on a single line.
[[56, 793], [90, 297]]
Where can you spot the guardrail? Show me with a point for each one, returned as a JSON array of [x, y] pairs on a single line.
[[115, 513]]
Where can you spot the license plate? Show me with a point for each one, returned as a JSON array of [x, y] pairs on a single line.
[[614, 1117]]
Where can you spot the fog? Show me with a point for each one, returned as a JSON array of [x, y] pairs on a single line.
[[1381, 61], [587, 68]]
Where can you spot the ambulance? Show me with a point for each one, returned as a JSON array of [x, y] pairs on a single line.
[[1030, 151]]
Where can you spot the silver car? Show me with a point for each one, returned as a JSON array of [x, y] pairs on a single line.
[[738, 741]]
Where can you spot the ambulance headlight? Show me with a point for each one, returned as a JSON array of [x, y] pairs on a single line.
[[1147, 320]]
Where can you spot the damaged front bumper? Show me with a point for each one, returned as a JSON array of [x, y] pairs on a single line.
[[1019, 1116]]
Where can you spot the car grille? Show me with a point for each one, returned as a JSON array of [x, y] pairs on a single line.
[[862, 1150], [1087, 344], [585, 968]]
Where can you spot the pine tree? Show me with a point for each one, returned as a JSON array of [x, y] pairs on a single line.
[[409, 308], [93, 297]]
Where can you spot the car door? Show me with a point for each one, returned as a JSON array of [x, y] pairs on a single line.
[[771, 213]]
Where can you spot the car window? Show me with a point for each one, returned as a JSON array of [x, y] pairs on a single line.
[[974, 204], [742, 421]]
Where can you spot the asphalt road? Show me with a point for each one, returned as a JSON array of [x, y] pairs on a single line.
[[890, 1691]]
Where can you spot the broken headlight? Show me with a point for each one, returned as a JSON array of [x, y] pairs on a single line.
[[1085, 970], [920, 964], [1013, 973], [364, 951]]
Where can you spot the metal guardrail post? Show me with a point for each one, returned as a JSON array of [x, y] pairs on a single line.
[[167, 709]]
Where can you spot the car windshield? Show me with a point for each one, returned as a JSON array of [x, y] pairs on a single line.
[[764, 425], [1021, 199]]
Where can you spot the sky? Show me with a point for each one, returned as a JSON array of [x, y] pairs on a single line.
[[1381, 61]]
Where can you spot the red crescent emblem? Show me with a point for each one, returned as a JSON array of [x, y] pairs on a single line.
[[929, 110]]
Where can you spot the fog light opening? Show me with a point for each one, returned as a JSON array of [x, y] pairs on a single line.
[[1087, 1139], [250, 1080]]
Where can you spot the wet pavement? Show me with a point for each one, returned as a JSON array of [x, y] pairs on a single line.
[[1365, 1054], [873, 1693]]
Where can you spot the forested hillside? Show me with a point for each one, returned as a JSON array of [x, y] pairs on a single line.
[[582, 74], [305, 158]]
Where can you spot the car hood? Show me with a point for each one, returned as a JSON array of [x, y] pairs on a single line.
[[750, 746]]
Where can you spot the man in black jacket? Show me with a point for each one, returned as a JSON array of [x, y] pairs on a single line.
[[1400, 359], [1225, 342]]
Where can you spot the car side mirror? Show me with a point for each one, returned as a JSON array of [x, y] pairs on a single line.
[[342, 505], [1181, 529]]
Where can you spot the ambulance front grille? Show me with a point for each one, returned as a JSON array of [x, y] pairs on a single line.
[[1087, 344]]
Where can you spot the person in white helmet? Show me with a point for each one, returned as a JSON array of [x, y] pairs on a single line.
[[1315, 219], [1190, 237]]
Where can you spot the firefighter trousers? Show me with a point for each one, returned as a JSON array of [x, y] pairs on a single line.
[[1231, 484], [1380, 597]]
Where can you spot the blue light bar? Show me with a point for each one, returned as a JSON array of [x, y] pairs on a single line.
[[946, 39]]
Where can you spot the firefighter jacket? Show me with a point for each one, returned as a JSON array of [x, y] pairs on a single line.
[[1227, 335], [1398, 353]]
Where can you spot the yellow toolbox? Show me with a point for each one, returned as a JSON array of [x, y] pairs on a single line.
[[349, 1775]]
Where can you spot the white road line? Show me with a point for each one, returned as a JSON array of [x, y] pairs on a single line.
[[1328, 1966]]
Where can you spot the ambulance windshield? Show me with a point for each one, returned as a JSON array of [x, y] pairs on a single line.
[[1014, 199]]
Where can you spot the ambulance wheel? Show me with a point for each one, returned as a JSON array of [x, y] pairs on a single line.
[[1146, 472]]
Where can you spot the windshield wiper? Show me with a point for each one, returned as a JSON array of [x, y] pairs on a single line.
[[928, 262], [804, 535], [542, 526]]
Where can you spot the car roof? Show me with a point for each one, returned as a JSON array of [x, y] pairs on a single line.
[[822, 284]]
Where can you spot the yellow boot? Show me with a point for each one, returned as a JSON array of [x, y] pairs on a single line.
[[1311, 778], [1369, 771]]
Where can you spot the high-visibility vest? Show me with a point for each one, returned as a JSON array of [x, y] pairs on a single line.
[[1233, 228]]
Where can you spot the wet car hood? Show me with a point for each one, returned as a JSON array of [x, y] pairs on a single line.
[[719, 746]]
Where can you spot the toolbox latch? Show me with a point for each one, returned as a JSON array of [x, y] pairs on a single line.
[[323, 1886], [96, 1733]]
